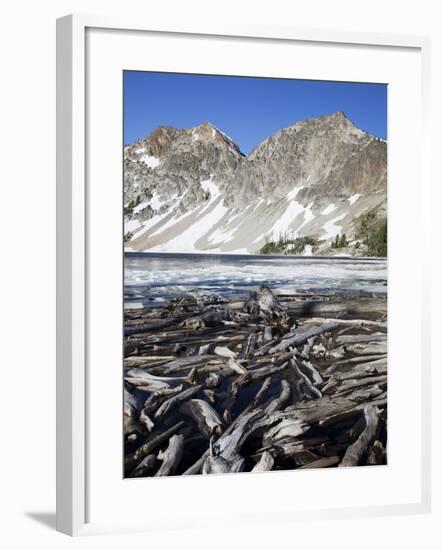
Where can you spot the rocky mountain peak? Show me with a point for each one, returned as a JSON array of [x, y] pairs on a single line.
[[339, 115], [318, 165], [211, 134], [159, 141]]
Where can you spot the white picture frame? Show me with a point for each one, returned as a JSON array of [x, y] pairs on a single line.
[[77, 496]]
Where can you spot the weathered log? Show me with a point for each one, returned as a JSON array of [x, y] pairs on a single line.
[[224, 456], [197, 467], [322, 463], [296, 452], [203, 350], [207, 419], [211, 395], [236, 305], [249, 345], [168, 342], [337, 385], [337, 417], [265, 463], [171, 457], [288, 428], [263, 372], [279, 401], [135, 458], [362, 370], [156, 398], [151, 327], [236, 367], [299, 336], [227, 417], [250, 407], [348, 386], [360, 359], [139, 377], [223, 351], [308, 347], [183, 363], [361, 338], [335, 353], [262, 390], [330, 370], [210, 318], [359, 398], [268, 333], [376, 454], [213, 380], [310, 307], [344, 322], [364, 395], [354, 452], [315, 377], [312, 389], [368, 349], [311, 412], [269, 305], [146, 360], [145, 467], [219, 465], [176, 400], [133, 402], [265, 348], [146, 421]]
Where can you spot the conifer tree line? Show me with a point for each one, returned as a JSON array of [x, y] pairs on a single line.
[[340, 241]]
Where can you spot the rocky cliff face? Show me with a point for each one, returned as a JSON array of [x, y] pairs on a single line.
[[193, 190]]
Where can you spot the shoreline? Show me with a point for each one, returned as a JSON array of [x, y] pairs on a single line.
[[252, 256]]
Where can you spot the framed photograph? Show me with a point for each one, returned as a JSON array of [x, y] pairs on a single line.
[[242, 309]]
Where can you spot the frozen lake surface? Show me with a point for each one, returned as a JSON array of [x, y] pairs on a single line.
[[153, 276]]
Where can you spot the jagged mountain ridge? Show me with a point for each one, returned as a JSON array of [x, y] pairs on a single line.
[[192, 190]]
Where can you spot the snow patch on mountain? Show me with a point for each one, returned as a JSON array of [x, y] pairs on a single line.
[[282, 226], [131, 226], [330, 227], [151, 161], [308, 215], [292, 194], [221, 236], [211, 187], [140, 206], [149, 224], [354, 198], [187, 240], [328, 209]]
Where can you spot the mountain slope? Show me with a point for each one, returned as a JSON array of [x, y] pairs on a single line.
[[193, 190]]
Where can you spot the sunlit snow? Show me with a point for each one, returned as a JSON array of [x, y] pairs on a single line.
[[331, 229], [152, 162], [328, 210], [211, 187], [353, 198], [292, 194], [187, 239]]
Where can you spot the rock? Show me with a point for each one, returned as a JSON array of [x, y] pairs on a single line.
[[320, 174]]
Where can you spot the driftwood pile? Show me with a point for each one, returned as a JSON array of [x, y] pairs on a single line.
[[270, 382]]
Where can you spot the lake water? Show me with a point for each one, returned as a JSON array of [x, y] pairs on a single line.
[[151, 277]]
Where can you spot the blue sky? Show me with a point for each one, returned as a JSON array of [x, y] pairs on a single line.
[[247, 109]]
